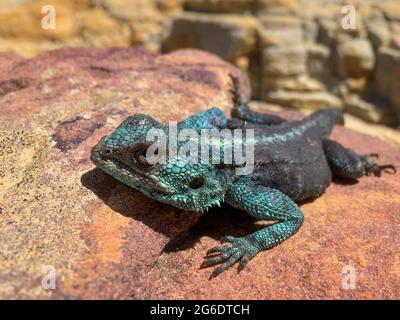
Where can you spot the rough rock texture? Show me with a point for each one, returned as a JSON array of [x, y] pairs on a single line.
[[82, 23], [302, 38], [340, 233], [388, 73], [108, 241], [56, 209], [355, 105], [229, 36], [304, 100], [219, 6], [287, 61], [350, 226], [273, 41], [356, 58]]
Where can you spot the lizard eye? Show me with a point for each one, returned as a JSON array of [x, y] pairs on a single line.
[[197, 183], [140, 155]]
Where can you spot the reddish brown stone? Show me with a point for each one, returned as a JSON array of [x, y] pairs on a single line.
[[102, 237], [350, 225], [106, 240]]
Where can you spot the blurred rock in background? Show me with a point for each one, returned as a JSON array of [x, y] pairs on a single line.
[[303, 54], [82, 23], [104, 240]]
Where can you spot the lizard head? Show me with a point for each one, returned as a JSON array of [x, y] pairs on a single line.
[[181, 183]]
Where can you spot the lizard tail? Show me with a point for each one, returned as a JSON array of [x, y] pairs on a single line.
[[326, 119], [238, 100]]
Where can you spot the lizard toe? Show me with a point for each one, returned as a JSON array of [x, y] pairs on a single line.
[[218, 249], [373, 168], [388, 168], [209, 261], [238, 249], [225, 265], [244, 260]]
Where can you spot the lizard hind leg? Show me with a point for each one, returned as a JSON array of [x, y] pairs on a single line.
[[345, 163]]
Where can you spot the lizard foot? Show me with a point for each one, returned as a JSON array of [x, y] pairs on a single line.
[[372, 168], [238, 249]]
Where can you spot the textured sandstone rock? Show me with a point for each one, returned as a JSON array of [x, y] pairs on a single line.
[[83, 23], [279, 21], [281, 37], [127, 9], [278, 7], [356, 85], [303, 100], [377, 130], [387, 73], [143, 19], [24, 20], [220, 6], [356, 58], [229, 36], [97, 28], [310, 31], [327, 30], [395, 42], [284, 61], [283, 55], [300, 84], [378, 32], [106, 240], [258, 25], [318, 61], [101, 237], [368, 111], [351, 227], [391, 10]]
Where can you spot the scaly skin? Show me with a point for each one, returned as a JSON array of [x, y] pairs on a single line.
[[294, 161]]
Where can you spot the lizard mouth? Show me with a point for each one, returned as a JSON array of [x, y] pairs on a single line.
[[124, 173], [198, 205]]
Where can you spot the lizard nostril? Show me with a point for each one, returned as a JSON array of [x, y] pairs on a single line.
[[197, 183], [106, 151]]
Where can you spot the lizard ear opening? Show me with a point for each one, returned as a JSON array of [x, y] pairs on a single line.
[[197, 183]]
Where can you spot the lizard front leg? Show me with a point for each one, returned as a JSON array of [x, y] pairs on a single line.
[[262, 203], [207, 119]]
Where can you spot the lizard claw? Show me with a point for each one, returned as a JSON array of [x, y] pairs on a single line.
[[238, 249], [373, 155], [375, 169], [388, 168], [372, 168]]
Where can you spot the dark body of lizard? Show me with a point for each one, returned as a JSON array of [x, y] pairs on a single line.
[[294, 161]]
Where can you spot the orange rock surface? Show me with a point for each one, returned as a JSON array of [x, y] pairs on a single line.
[[106, 240]]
